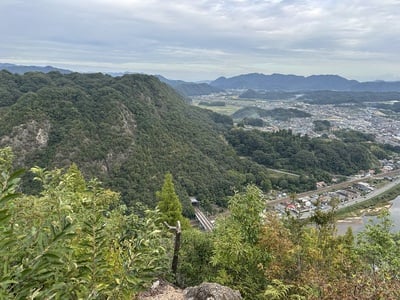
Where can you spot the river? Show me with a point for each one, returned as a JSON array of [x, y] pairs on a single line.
[[358, 224]]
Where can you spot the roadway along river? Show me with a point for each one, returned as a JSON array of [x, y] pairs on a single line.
[[344, 185], [370, 195]]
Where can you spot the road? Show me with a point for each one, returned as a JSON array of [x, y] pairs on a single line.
[[305, 215], [372, 194], [339, 186], [283, 172]]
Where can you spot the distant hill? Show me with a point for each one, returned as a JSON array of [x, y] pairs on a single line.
[[268, 95], [19, 69], [197, 89], [322, 97], [378, 86], [127, 131], [190, 88], [284, 82], [170, 82], [336, 97], [280, 82], [276, 113]]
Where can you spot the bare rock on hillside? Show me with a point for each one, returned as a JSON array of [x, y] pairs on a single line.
[[162, 290], [211, 291]]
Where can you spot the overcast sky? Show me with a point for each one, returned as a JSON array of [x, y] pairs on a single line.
[[205, 39]]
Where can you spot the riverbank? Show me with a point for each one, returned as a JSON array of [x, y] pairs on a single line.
[[358, 223], [362, 211], [372, 205]]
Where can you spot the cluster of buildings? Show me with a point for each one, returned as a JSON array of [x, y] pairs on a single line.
[[389, 165], [368, 119], [357, 188], [341, 197]]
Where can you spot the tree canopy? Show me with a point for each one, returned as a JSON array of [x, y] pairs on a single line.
[[74, 240], [67, 242], [314, 157], [169, 204], [267, 257]]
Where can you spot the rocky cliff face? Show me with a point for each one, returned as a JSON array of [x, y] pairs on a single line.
[[27, 138]]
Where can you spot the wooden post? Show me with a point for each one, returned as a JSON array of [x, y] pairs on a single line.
[[177, 230]]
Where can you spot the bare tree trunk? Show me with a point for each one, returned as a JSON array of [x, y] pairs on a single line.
[[177, 230], [176, 248]]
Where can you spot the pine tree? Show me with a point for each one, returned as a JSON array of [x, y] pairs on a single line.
[[169, 203]]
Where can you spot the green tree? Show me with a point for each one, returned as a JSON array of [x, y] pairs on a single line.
[[195, 256], [66, 243], [169, 203], [321, 125], [379, 248], [8, 242], [238, 256]]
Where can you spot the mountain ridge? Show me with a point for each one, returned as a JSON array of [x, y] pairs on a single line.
[[256, 81], [290, 83], [127, 131], [21, 69]]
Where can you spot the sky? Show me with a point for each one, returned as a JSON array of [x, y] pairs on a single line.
[[203, 39]]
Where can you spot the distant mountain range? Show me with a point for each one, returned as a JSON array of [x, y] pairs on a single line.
[[280, 82], [187, 89], [255, 81], [19, 69]]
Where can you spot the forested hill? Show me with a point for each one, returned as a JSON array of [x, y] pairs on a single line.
[[127, 131]]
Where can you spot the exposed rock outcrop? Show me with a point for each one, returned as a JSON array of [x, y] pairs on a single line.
[[211, 291], [162, 290], [27, 138]]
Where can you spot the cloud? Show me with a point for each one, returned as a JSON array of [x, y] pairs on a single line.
[[205, 36]]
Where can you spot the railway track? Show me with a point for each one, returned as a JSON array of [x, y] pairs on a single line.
[[204, 221]]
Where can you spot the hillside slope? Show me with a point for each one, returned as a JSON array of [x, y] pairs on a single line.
[[127, 131]]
